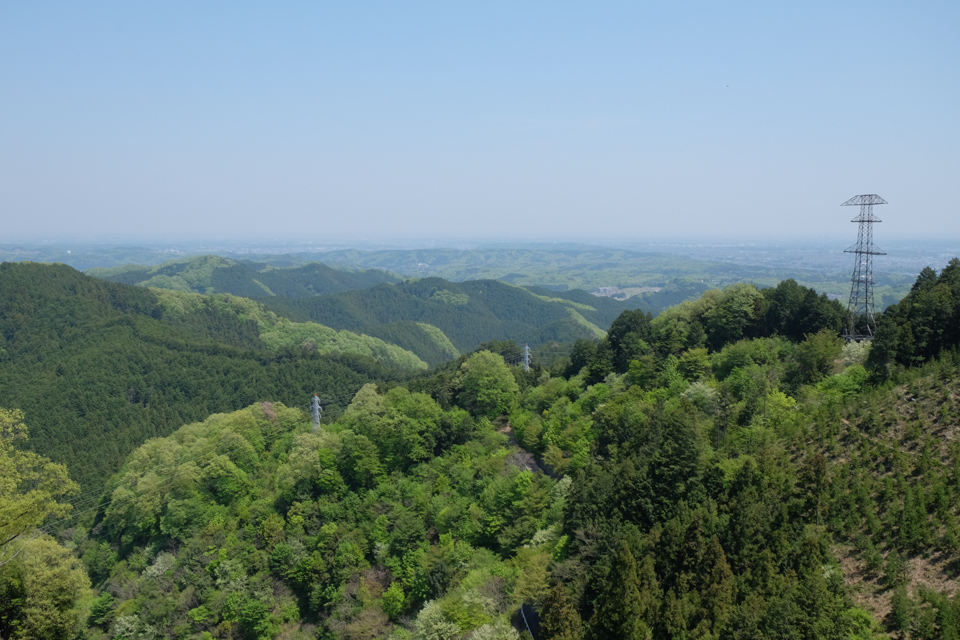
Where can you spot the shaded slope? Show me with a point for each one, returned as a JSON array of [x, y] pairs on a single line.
[[277, 333], [98, 367], [468, 313]]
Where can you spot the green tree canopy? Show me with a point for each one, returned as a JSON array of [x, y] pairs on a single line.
[[487, 385], [30, 485], [44, 594]]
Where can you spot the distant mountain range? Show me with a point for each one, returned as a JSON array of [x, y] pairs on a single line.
[[433, 318], [213, 274], [467, 313]]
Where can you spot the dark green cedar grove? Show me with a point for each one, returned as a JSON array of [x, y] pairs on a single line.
[[469, 313], [98, 369], [716, 464]]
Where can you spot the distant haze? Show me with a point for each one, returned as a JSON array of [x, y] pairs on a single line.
[[316, 121]]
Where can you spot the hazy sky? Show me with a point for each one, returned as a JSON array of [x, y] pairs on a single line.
[[539, 120]]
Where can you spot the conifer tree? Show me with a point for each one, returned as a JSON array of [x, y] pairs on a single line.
[[559, 619], [626, 607], [717, 593]]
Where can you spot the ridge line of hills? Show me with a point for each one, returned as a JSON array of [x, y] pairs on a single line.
[[730, 468], [429, 317]]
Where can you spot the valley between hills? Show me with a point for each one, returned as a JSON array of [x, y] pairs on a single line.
[[694, 462]]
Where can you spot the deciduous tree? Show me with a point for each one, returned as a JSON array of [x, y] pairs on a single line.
[[30, 485]]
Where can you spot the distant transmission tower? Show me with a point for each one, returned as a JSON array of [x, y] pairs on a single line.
[[526, 357], [860, 310], [316, 410]]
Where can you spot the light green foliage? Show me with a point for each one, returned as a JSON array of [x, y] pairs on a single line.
[[739, 355], [313, 513], [446, 296], [54, 593], [179, 304], [740, 306], [499, 630], [844, 385], [403, 425], [432, 624], [311, 466], [393, 600], [533, 567], [439, 339], [191, 274], [569, 303], [855, 353], [30, 486], [278, 333], [487, 385], [781, 412], [677, 329], [817, 355], [694, 363], [594, 330], [170, 483], [310, 335]]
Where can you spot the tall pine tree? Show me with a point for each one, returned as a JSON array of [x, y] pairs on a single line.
[[628, 604], [559, 619]]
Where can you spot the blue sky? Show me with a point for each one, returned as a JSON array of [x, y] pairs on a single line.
[[528, 120]]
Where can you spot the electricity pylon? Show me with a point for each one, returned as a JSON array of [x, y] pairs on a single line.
[[316, 410], [861, 323]]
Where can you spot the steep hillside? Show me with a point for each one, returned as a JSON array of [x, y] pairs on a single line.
[[98, 367], [728, 469], [468, 313], [213, 274], [889, 461], [270, 529], [278, 333]]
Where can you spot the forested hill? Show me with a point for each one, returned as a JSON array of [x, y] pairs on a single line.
[[432, 318], [213, 274], [468, 313], [725, 470], [729, 469], [923, 324], [99, 367]]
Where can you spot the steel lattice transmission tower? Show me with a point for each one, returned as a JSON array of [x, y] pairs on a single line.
[[316, 410], [860, 310]]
